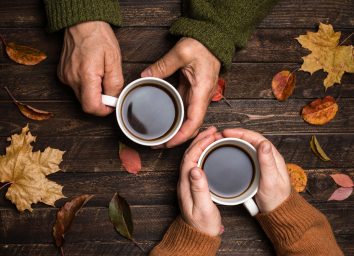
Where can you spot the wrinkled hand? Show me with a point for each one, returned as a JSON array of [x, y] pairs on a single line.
[[274, 185], [91, 64], [198, 80], [197, 208]]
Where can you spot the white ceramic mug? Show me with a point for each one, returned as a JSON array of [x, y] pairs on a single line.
[[246, 197], [118, 103]]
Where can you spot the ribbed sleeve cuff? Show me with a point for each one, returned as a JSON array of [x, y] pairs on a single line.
[[220, 44], [182, 239], [65, 13]]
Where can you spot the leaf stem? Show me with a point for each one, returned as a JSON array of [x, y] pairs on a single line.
[[3, 40], [135, 242], [62, 251], [227, 102], [6, 184], [10, 94], [345, 39]]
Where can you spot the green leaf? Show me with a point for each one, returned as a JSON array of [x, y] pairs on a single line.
[[317, 149], [121, 217]]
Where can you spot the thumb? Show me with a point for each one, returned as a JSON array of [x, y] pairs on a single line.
[[165, 66], [199, 188], [266, 159]]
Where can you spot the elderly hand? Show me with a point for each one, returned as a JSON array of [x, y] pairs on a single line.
[[198, 81], [197, 208], [91, 64], [274, 185]]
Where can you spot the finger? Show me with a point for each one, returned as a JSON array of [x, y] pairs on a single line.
[[199, 189], [113, 77], [250, 136], [165, 66], [266, 160], [209, 131], [91, 99], [218, 136]]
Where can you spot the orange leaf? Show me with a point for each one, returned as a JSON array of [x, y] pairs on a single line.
[[320, 111], [23, 54], [219, 93], [342, 180], [340, 194], [130, 158], [30, 112], [298, 177], [283, 85]]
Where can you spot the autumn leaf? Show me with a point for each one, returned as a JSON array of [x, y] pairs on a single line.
[[327, 54], [219, 93], [130, 158], [25, 171], [23, 54], [320, 111], [340, 194], [298, 177], [283, 85], [65, 217], [28, 111], [317, 149], [342, 180], [121, 217]]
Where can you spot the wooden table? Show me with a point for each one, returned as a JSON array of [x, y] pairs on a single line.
[[91, 163]]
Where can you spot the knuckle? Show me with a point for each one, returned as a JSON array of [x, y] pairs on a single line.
[[161, 66]]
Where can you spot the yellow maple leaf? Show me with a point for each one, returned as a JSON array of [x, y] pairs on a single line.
[[26, 172], [326, 54]]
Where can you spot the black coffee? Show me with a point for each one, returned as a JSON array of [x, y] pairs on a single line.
[[229, 170], [149, 112]]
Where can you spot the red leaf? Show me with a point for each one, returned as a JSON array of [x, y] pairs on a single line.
[[341, 194], [219, 93], [130, 158], [320, 111], [283, 85], [343, 180]]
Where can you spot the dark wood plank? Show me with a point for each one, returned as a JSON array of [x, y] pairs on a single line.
[[244, 81], [268, 116], [149, 44], [100, 154], [290, 14]]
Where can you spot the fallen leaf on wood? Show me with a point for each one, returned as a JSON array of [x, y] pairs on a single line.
[[283, 85], [317, 149], [30, 112], [340, 194], [23, 54], [130, 158], [121, 217], [25, 171], [219, 93], [298, 177], [320, 111], [342, 180], [327, 54]]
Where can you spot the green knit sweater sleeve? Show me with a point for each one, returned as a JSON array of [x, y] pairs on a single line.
[[65, 13], [221, 25]]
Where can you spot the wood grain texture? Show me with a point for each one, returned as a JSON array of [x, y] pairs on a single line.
[[290, 14]]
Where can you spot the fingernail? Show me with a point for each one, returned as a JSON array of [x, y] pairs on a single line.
[[146, 72], [222, 230], [195, 174], [266, 147]]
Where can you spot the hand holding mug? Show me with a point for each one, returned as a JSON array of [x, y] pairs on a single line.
[[197, 208], [91, 64]]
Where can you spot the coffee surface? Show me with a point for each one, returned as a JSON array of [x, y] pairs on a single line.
[[229, 171], [148, 112]]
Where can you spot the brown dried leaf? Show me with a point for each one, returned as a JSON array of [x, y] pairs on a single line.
[[298, 177], [317, 149], [26, 171], [23, 54], [130, 158], [320, 111], [283, 85], [66, 215], [30, 112]]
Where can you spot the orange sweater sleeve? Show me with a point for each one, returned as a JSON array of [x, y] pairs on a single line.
[[297, 228], [183, 240]]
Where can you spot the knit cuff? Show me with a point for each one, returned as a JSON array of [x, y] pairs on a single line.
[[220, 44], [182, 239], [65, 13], [288, 222]]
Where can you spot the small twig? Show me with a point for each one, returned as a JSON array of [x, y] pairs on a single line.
[[6, 184], [345, 39], [227, 102], [135, 242], [10, 94], [62, 251], [3, 40]]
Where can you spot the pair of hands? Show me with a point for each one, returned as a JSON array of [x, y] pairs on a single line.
[[91, 63], [197, 208]]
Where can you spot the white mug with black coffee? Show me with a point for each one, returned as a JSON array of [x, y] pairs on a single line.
[[232, 169], [149, 111]]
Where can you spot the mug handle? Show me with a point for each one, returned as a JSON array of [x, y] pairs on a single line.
[[109, 100], [251, 207]]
